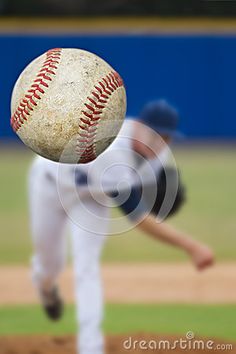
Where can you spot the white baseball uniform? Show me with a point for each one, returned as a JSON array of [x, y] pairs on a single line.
[[63, 194]]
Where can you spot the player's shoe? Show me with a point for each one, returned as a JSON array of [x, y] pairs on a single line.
[[52, 303]]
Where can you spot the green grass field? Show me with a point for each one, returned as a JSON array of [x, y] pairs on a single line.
[[207, 321], [209, 214]]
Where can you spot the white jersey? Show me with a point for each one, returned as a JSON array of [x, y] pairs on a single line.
[[119, 167]]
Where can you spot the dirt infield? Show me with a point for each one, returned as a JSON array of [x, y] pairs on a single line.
[[115, 345], [135, 283]]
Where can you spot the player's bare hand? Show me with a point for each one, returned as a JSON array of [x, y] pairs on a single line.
[[202, 257]]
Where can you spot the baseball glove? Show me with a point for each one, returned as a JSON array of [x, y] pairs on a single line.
[[173, 207]]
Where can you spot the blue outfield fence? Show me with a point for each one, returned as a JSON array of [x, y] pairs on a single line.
[[197, 73]]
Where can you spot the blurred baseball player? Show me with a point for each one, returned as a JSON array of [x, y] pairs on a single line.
[[82, 195]]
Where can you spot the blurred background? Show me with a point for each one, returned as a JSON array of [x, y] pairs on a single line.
[[119, 7], [184, 51]]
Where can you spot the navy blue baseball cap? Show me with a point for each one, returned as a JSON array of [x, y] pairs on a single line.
[[162, 117]]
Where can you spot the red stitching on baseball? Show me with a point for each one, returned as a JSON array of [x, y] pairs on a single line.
[[28, 103], [93, 113]]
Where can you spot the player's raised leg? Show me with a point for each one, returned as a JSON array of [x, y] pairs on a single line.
[[47, 224]]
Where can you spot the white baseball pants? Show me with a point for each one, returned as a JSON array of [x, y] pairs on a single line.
[[48, 220]]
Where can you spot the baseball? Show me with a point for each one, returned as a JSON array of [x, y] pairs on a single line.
[[68, 105]]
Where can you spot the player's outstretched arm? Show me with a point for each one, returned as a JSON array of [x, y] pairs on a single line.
[[201, 254]]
